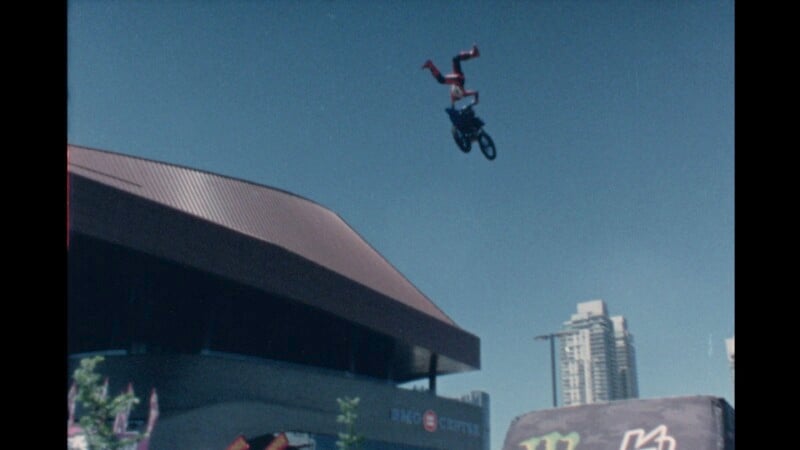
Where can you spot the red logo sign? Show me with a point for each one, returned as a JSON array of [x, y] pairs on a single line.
[[430, 421]]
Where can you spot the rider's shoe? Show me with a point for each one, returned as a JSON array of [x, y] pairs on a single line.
[[428, 64], [474, 52]]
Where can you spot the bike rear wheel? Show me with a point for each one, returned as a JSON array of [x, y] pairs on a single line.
[[487, 145], [462, 141]]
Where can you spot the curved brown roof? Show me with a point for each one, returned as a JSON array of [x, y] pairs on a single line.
[[273, 217]]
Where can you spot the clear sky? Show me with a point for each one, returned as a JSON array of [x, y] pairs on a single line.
[[614, 126]]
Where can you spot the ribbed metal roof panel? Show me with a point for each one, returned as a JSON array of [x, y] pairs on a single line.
[[271, 215]]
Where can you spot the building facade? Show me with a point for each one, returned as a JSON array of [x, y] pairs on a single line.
[[597, 357], [481, 399], [251, 310]]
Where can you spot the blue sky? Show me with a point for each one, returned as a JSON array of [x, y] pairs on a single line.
[[614, 126]]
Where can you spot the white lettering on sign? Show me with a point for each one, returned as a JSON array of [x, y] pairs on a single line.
[[406, 416], [431, 422]]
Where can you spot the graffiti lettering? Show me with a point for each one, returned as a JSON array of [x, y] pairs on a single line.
[[658, 439], [551, 441]]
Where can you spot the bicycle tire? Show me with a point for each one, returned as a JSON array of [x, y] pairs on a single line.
[[487, 146]]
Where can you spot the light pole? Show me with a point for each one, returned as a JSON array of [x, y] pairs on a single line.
[[551, 337]]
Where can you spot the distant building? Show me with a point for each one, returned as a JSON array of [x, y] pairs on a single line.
[[481, 399], [729, 350], [627, 379], [598, 361]]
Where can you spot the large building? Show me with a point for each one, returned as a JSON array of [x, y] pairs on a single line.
[[597, 357], [251, 310]]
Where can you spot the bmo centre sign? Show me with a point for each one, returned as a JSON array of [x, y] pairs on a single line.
[[431, 422]]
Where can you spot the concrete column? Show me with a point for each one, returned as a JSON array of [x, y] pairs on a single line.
[[432, 368]]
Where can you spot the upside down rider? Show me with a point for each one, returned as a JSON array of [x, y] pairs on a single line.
[[456, 79]]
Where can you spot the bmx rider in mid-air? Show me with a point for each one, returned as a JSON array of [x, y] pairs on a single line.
[[456, 79]]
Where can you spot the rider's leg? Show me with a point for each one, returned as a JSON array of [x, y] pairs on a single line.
[[463, 56], [434, 71], [457, 64]]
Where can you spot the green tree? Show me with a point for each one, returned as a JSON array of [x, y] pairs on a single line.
[[349, 439], [100, 411]]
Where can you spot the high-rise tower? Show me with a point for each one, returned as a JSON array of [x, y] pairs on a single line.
[[597, 357]]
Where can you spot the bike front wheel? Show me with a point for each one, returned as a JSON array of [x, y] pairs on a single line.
[[487, 146]]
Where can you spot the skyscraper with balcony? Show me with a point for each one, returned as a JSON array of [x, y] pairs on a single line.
[[597, 357]]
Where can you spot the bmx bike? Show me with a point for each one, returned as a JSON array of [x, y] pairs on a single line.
[[468, 128]]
